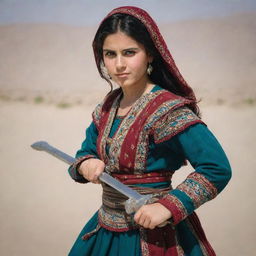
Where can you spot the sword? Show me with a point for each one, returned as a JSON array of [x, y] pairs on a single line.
[[135, 199]]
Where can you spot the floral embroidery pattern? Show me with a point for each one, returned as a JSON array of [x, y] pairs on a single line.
[[114, 220], [162, 129], [153, 113], [143, 243], [198, 189], [112, 215], [113, 158], [179, 212], [157, 39], [171, 124], [161, 114], [110, 160]]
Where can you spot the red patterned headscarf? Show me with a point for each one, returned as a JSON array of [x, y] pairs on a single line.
[[160, 45]]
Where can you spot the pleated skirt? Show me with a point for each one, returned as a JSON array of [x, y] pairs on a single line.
[[109, 243]]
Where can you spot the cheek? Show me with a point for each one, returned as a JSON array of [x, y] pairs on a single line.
[[139, 65]]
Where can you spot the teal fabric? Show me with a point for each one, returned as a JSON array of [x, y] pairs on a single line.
[[89, 144], [187, 240], [205, 154], [88, 147], [106, 243], [196, 144]]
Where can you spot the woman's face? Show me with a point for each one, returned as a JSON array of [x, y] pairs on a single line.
[[125, 60]]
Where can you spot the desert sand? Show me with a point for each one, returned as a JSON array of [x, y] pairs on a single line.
[[42, 209]]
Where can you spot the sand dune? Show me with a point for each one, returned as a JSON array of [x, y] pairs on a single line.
[[42, 210], [216, 57]]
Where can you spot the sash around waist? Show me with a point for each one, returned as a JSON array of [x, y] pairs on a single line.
[[144, 178], [112, 215]]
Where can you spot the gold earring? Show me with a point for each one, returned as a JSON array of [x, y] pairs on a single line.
[[149, 69]]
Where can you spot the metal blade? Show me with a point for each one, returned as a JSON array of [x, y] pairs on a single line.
[[44, 146], [104, 177], [119, 186]]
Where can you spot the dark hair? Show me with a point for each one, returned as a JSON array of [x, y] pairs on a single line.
[[134, 28]]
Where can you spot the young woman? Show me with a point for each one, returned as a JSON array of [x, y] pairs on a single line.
[[141, 134]]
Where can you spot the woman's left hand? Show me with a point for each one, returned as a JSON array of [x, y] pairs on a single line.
[[152, 215]]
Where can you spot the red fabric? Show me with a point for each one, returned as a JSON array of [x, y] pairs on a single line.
[[152, 177], [195, 222], [175, 207], [136, 128], [103, 121], [160, 241], [159, 43]]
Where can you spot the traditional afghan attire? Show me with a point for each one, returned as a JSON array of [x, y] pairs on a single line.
[[143, 150]]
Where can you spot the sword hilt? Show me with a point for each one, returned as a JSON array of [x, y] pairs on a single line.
[[135, 200]]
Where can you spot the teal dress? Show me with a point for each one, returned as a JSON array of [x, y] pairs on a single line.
[[198, 145]]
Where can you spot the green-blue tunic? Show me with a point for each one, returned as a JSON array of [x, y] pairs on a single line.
[[196, 144]]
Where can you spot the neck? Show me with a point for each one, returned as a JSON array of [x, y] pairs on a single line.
[[130, 95]]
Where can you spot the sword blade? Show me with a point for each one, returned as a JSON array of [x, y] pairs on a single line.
[[44, 146], [119, 186], [104, 177]]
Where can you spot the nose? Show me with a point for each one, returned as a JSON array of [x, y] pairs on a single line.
[[120, 63]]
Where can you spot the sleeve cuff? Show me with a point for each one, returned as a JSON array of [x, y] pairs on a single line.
[[73, 169], [175, 206], [188, 196]]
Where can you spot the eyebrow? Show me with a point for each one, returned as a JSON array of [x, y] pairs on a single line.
[[128, 49]]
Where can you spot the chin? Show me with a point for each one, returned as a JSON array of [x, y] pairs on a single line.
[[125, 84]]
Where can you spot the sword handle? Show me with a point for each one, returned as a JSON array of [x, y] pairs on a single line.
[[135, 200]]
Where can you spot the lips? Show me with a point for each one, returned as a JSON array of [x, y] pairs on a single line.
[[122, 75]]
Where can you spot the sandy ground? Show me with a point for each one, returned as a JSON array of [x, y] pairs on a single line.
[[42, 210], [55, 62]]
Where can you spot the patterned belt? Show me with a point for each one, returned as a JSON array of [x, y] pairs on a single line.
[[112, 215], [144, 178]]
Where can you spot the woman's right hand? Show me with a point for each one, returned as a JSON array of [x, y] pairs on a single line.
[[91, 169]]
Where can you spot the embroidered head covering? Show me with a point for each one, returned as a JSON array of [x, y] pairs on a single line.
[[159, 43]]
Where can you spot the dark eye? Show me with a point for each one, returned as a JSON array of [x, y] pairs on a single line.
[[129, 53], [109, 54]]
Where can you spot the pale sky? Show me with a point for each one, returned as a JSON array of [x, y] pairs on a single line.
[[90, 12]]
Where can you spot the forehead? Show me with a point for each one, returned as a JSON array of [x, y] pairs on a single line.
[[120, 40]]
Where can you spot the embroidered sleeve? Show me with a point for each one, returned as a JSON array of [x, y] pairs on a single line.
[[212, 172], [88, 150], [173, 123]]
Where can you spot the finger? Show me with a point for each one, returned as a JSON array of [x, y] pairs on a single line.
[[90, 176], [137, 216], [86, 174], [146, 223], [97, 181], [142, 220], [152, 225], [95, 178], [99, 170], [96, 173]]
